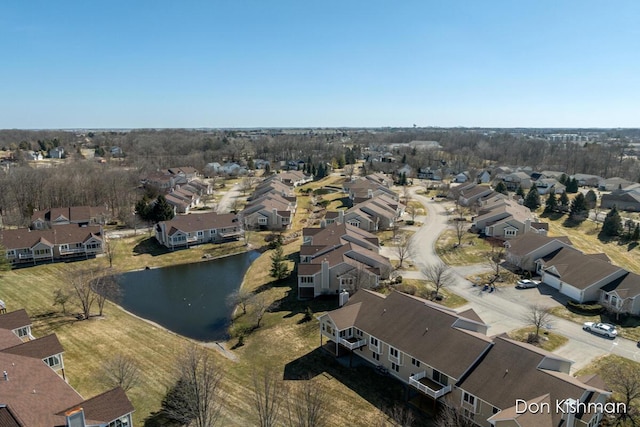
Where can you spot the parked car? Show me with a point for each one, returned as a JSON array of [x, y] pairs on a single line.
[[526, 283], [604, 329]]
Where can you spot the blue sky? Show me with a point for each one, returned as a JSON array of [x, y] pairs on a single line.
[[130, 64]]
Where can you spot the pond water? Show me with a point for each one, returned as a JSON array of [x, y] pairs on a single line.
[[187, 299]]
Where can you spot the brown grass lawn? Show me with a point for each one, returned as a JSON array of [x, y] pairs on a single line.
[[585, 237], [423, 289], [472, 251], [548, 340], [627, 327]]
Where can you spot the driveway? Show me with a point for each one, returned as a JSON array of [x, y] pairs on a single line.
[[226, 202], [504, 309]]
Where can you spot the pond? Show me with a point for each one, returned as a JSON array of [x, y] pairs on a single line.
[[187, 299]]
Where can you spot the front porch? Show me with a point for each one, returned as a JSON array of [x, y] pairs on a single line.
[[428, 386]]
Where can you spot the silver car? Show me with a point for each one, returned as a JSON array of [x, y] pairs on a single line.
[[604, 329], [526, 283]]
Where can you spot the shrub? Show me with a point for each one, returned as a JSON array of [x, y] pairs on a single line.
[[407, 289], [588, 309], [410, 222]]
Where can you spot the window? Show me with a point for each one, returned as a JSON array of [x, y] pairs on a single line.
[[12, 252], [393, 352], [374, 342], [305, 258], [64, 247], [467, 413], [376, 356], [354, 222], [52, 361], [200, 233], [440, 377], [305, 279], [346, 281], [395, 367], [496, 410], [23, 332], [42, 251], [613, 301], [120, 422], [510, 232], [263, 220], [469, 398], [358, 332], [415, 362], [213, 231]]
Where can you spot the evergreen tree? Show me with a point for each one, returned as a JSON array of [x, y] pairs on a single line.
[[532, 201], [563, 179], [404, 159], [162, 210], [635, 236], [579, 210], [572, 186], [501, 188], [612, 225], [279, 269], [520, 191], [142, 208], [591, 199], [267, 169], [551, 204], [564, 202]]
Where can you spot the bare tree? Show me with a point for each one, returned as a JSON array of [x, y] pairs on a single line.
[[625, 383], [268, 395], [121, 371], [61, 297], [242, 298], [105, 286], [198, 399], [261, 305], [348, 171], [308, 405], [450, 415], [539, 317], [494, 259], [111, 249], [400, 416], [81, 281], [440, 275], [403, 247], [460, 227]]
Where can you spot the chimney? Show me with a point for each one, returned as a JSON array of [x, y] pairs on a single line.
[[325, 274], [341, 216]]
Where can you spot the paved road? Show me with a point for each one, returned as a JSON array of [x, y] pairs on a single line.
[[226, 202], [504, 309]]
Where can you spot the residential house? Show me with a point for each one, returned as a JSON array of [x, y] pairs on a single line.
[[430, 174], [116, 152], [622, 295], [549, 185], [56, 153], [416, 341], [362, 189], [212, 169], [612, 184], [471, 196], [233, 169], [456, 190], [523, 251], [461, 177], [79, 215], [272, 186], [159, 181], [577, 275], [269, 212], [199, 187], [339, 257], [196, 229], [261, 164], [380, 178], [189, 173], [483, 177], [506, 219], [34, 394], [586, 180], [34, 155], [624, 200], [293, 178], [517, 179], [58, 243], [406, 170]]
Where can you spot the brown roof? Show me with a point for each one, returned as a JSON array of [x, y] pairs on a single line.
[[105, 407], [8, 418], [417, 327], [627, 286], [14, 320], [476, 191], [509, 371], [8, 339], [197, 222], [72, 213], [337, 233], [594, 380], [67, 233], [577, 269], [471, 315], [528, 418], [529, 242], [39, 348], [34, 392]]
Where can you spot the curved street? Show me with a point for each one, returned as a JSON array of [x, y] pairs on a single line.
[[504, 309]]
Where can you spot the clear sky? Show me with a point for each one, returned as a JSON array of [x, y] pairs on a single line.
[[299, 63]]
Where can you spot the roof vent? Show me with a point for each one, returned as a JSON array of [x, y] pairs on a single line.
[[6, 375]]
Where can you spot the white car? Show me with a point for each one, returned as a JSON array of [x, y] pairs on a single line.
[[604, 329], [526, 283]]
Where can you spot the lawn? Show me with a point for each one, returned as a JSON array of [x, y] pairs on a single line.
[[473, 249], [423, 289], [548, 340]]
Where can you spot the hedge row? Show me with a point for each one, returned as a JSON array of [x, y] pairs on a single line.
[[589, 309]]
